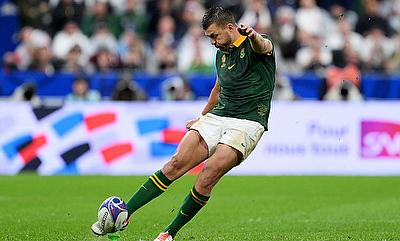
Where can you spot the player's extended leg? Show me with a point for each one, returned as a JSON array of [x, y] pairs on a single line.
[[223, 160], [191, 151]]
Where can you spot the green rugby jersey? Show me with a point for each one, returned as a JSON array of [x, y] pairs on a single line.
[[247, 80]]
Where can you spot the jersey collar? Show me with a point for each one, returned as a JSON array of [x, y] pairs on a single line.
[[239, 41]]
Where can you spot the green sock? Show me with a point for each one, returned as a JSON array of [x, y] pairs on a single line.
[[191, 205], [152, 188]]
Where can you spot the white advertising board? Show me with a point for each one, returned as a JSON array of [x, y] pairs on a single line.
[[304, 138]]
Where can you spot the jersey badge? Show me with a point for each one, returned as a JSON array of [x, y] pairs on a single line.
[[242, 53], [223, 59]]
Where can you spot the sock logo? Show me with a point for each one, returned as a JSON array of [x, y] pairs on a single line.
[[184, 214], [380, 139]]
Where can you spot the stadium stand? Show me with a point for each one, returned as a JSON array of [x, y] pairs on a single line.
[[150, 48]]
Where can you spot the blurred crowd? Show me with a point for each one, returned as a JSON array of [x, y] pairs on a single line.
[[337, 39]]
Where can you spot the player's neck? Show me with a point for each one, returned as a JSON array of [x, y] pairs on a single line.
[[235, 36]]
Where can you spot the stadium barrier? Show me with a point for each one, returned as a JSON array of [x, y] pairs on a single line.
[[306, 86], [314, 138]]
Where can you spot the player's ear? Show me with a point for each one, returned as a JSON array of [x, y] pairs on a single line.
[[231, 26]]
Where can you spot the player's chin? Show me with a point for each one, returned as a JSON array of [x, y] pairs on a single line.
[[222, 48]]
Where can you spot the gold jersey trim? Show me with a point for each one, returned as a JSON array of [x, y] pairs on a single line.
[[239, 41]]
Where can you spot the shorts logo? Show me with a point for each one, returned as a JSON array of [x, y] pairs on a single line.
[[380, 139]]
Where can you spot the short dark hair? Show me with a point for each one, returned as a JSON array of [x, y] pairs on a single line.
[[217, 15]]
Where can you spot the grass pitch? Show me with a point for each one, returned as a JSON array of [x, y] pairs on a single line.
[[241, 208]]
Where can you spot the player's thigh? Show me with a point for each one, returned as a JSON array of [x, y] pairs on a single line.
[[192, 147], [191, 151], [209, 127]]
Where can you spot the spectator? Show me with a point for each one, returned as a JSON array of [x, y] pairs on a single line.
[[377, 48], [27, 92], [134, 18], [392, 65], [350, 5], [257, 15], [339, 13], [274, 5], [81, 92], [105, 61], [102, 38], [176, 88], [163, 59], [132, 51], [68, 38], [35, 13], [192, 13], [67, 11], [195, 54], [75, 63], [42, 61], [283, 89], [101, 13], [285, 32], [166, 31], [394, 16], [346, 91], [371, 19], [127, 90], [117, 5], [156, 10], [342, 79], [312, 21], [314, 57], [31, 39], [345, 37]]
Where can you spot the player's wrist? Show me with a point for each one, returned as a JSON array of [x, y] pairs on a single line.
[[254, 36]]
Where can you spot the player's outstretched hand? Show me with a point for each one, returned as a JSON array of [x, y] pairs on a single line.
[[246, 30]]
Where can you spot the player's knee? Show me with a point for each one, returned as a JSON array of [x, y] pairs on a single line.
[[207, 179], [173, 167]]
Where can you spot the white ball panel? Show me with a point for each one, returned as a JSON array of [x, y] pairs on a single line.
[[121, 219], [105, 220]]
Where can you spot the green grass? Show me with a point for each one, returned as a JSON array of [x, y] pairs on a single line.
[[241, 208]]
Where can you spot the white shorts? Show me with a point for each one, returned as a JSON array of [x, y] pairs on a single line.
[[243, 135]]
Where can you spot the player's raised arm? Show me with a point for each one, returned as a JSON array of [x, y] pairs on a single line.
[[213, 98], [212, 101], [259, 44]]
